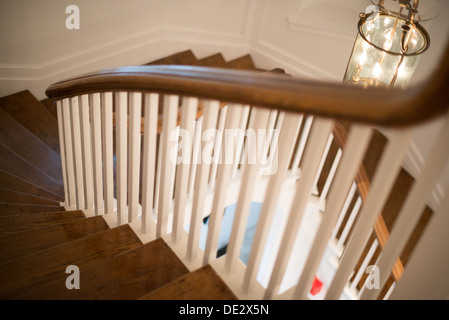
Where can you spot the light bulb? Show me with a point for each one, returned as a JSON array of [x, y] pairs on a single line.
[[377, 70], [401, 70], [363, 58]]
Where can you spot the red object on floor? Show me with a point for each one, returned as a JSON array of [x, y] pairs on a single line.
[[317, 285]]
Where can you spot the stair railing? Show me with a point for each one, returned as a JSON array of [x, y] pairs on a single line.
[[138, 176]]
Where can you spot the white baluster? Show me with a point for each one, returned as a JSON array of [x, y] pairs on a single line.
[[343, 211], [169, 124], [302, 143], [71, 179], [210, 119], [59, 113], [322, 161], [365, 263], [188, 113], [77, 152], [223, 180], [196, 155], [330, 177], [121, 120], [86, 140], [286, 139], [384, 178], [318, 138], [217, 147], [260, 118], [108, 160], [350, 222], [96, 152], [240, 142], [151, 103], [357, 143], [414, 206], [135, 124]]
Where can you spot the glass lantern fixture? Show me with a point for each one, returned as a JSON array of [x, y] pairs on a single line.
[[388, 46]]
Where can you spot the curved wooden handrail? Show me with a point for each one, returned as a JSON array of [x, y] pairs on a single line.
[[363, 185], [378, 106]]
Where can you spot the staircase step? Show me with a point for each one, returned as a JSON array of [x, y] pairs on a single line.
[[181, 58], [13, 183], [8, 209], [243, 63], [27, 110], [15, 223], [202, 284], [8, 196], [51, 106], [34, 271], [124, 277], [216, 60], [20, 244], [27, 146], [17, 166]]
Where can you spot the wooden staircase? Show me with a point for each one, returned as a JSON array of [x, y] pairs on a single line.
[[39, 238]]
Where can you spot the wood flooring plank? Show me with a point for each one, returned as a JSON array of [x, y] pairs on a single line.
[[16, 223], [8, 209], [9, 196], [27, 110], [124, 277], [20, 244], [202, 284], [34, 271]]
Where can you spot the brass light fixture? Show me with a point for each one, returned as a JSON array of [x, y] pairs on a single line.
[[388, 45]]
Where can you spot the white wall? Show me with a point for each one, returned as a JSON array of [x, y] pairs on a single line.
[[311, 39]]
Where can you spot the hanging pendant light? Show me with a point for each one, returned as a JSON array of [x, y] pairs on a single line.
[[388, 45]]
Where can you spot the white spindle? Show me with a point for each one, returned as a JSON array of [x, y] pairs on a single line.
[[108, 160], [86, 140], [121, 99], [390, 291], [344, 210], [365, 263], [302, 143], [414, 206], [170, 114], [157, 186], [217, 147], [210, 119], [188, 113], [96, 152], [77, 152], [223, 180], [384, 178], [71, 179], [260, 118], [287, 138], [330, 177], [322, 161], [350, 222], [196, 155], [151, 102], [357, 143], [59, 113], [318, 138], [135, 125], [240, 140]]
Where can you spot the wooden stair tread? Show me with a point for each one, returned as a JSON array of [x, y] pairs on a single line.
[[9, 209], [181, 58], [202, 284], [26, 145], [13, 183], [15, 223], [15, 165], [20, 244], [9, 196], [33, 271], [243, 63], [216, 60], [126, 276], [47, 103], [28, 111]]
